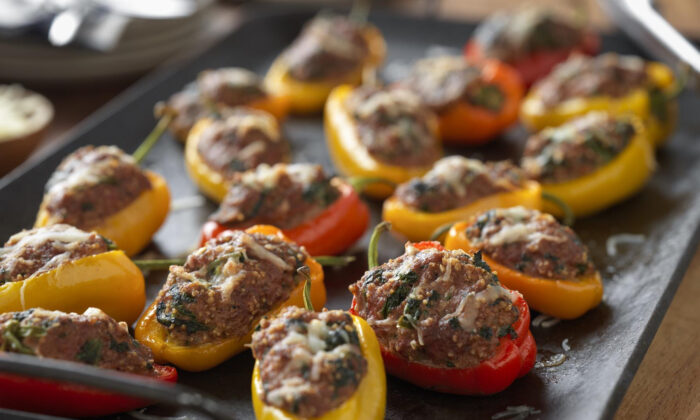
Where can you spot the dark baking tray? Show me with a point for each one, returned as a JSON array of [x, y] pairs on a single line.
[[607, 344]]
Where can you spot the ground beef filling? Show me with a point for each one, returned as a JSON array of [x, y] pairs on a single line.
[[328, 48], [230, 86], [510, 37], [456, 181], [92, 184], [531, 242], [577, 148], [225, 287], [444, 81], [394, 125], [309, 362], [92, 338], [36, 251], [186, 108], [241, 140], [581, 76], [282, 195], [436, 307]]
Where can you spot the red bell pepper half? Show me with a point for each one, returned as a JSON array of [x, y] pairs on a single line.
[[330, 233], [514, 357], [538, 64], [69, 400]]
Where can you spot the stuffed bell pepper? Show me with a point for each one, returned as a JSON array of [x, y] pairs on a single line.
[[591, 162], [386, 133], [535, 255], [533, 41], [323, 214], [454, 190], [322, 365], [330, 51], [91, 338], [610, 82], [444, 322], [60, 267], [103, 189], [213, 92], [207, 309], [474, 102], [236, 141]]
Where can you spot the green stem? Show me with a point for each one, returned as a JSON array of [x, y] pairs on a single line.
[[158, 264], [441, 230], [360, 10], [308, 304], [359, 183], [152, 138], [333, 261], [569, 216], [372, 252]]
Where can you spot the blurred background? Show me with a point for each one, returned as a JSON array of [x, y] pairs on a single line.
[[79, 54]]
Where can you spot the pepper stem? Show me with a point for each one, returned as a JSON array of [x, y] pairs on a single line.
[[158, 264], [569, 216], [152, 138], [372, 252], [333, 261], [308, 304], [360, 10], [360, 183], [440, 231]]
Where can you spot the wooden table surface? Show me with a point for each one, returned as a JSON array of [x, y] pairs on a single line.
[[667, 384]]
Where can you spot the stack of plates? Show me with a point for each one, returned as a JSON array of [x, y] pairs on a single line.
[[144, 44]]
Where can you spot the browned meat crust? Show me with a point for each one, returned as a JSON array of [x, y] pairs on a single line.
[[436, 307], [576, 148], [531, 242], [456, 181], [92, 338], [226, 286], [282, 195], [92, 184], [309, 362], [39, 250]]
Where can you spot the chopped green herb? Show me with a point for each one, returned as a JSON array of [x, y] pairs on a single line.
[[454, 323], [90, 351], [119, 347], [450, 364], [479, 262], [486, 332], [508, 329], [400, 293]]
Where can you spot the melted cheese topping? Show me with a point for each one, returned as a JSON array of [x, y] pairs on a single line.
[[394, 102], [244, 122], [453, 169], [433, 71], [262, 253], [268, 176], [68, 238], [85, 170], [237, 76], [517, 228]]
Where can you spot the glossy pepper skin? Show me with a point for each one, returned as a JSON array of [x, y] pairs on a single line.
[[68, 400], [467, 124], [538, 64], [201, 357], [367, 403], [639, 102], [308, 97], [132, 228], [619, 179], [109, 281], [514, 358], [418, 225], [565, 299], [351, 157], [329, 233]]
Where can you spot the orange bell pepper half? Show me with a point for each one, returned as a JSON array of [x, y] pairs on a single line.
[[565, 299]]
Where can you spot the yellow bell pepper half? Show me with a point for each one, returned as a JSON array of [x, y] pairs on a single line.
[[132, 228], [201, 357], [351, 157], [619, 179], [210, 182], [367, 403], [109, 281], [536, 116], [418, 225], [565, 299], [309, 97]]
